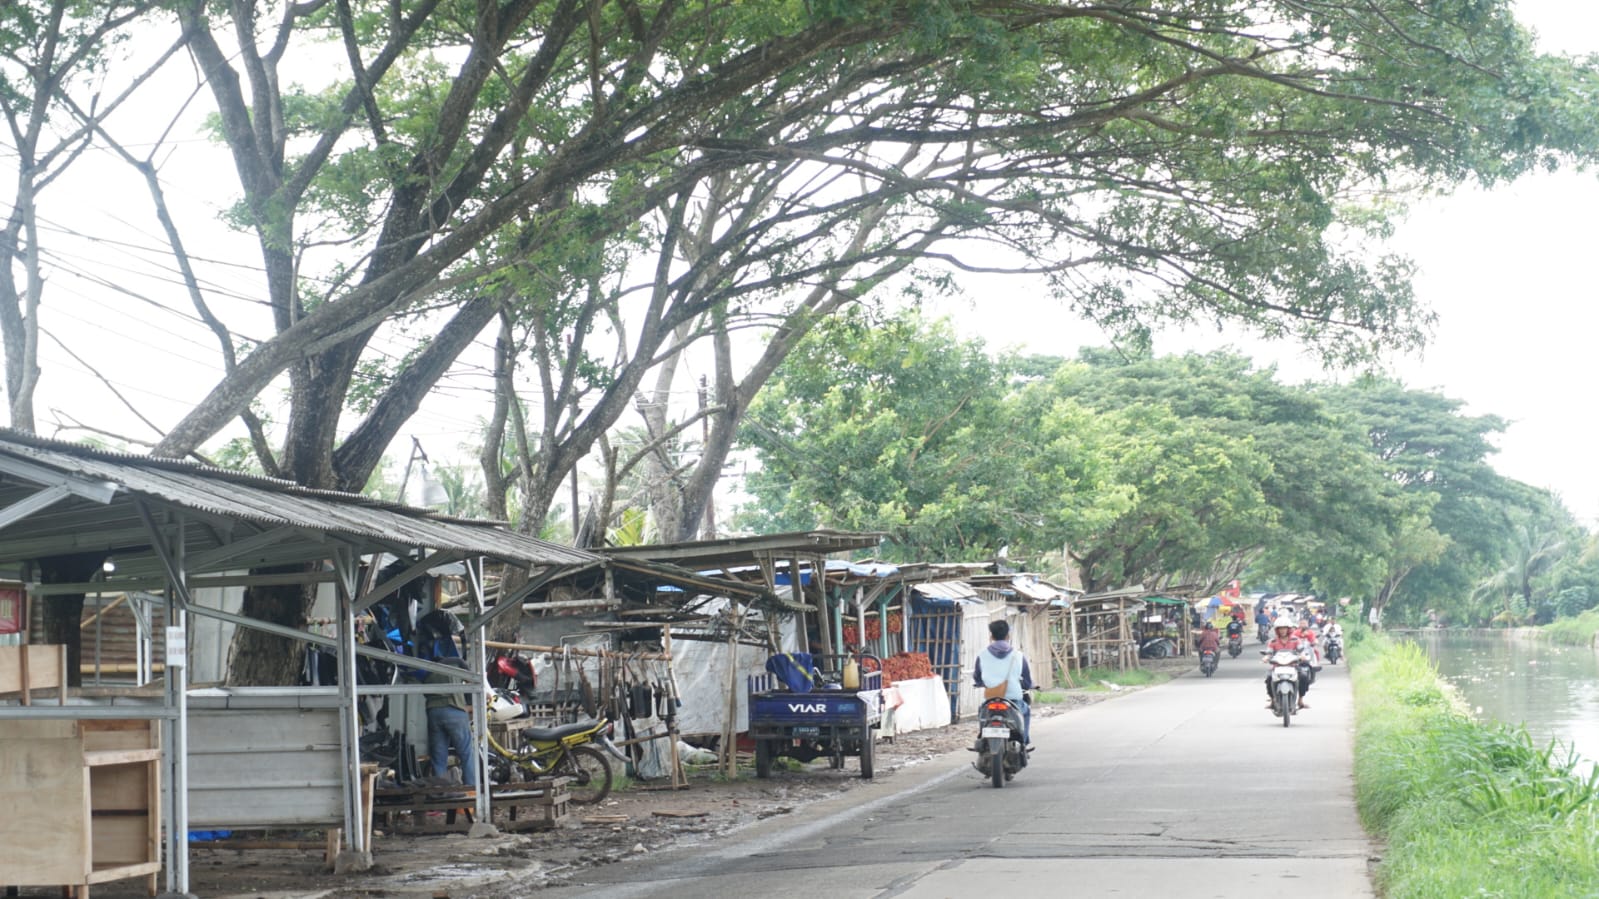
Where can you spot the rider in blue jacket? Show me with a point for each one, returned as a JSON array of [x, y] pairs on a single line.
[[1008, 665]]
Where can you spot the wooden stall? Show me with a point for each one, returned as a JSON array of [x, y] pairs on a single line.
[[1102, 630]]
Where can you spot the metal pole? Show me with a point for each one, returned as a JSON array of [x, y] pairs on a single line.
[[177, 694], [478, 699], [349, 724]]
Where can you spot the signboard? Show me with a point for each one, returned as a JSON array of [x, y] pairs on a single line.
[[177, 648], [13, 609]]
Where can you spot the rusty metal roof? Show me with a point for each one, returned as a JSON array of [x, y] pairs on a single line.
[[954, 590], [28, 463]]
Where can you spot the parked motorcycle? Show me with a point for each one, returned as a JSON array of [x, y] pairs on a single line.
[[1207, 662], [1235, 645], [1001, 751], [1284, 683], [568, 750]]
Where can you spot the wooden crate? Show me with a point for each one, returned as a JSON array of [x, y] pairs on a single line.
[[83, 801]]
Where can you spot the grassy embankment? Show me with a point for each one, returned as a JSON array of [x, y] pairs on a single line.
[[1467, 809], [1103, 680], [1578, 631]]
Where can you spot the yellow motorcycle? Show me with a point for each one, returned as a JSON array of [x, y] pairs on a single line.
[[568, 750]]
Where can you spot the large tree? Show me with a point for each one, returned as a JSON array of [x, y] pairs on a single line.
[[452, 159], [1439, 457]]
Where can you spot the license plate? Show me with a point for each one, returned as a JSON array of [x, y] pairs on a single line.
[[807, 731], [989, 733]]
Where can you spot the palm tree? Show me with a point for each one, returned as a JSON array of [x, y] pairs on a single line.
[[1535, 545]]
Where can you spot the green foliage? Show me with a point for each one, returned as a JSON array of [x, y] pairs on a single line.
[[892, 426], [1575, 631], [1465, 809]]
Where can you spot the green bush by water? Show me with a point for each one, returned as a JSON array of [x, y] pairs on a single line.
[[1578, 631], [1467, 809]]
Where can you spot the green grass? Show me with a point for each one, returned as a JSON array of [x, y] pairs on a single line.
[[1093, 680], [1466, 809], [1048, 697], [1578, 631]]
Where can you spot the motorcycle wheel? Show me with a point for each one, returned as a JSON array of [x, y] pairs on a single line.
[[996, 765], [1208, 670], [1285, 707], [866, 755], [763, 759], [590, 771]]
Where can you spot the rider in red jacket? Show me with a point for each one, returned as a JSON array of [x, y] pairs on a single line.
[[1287, 640]]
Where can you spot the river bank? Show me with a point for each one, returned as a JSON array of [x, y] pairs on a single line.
[[1466, 808]]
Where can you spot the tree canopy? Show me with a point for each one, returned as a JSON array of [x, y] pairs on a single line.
[[1178, 472], [411, 174]]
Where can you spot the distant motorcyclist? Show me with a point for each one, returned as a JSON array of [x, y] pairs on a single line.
[[1210, 639], [1006, 665], [1235, 627], [1287, 641]]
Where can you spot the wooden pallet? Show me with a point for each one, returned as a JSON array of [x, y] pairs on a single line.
[[534, 805]]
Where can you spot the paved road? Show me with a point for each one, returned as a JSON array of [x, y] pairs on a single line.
[[1190, 789]]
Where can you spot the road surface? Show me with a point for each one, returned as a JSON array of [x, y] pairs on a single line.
[[1189, 789]]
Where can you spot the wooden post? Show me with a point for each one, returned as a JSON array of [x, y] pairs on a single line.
[[679, 779], [730, 726]]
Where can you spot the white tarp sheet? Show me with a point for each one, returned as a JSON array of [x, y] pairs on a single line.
[[924, 704]]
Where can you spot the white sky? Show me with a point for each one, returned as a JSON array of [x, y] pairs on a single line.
[[1507, 271]]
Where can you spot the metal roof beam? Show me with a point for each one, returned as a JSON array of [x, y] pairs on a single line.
[[373, 596], [215, 558], [21, 509], [101, 492]]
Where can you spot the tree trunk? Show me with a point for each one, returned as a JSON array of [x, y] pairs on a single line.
[[63, 615], [257, 658]]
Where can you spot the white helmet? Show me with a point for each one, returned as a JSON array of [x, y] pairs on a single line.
[[505, 706], [1283, 621]]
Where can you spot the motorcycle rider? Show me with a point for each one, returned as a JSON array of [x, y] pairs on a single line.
[[1235, 627], [1209, 639], [1006, 665], [1263, 621], [1287, 640]]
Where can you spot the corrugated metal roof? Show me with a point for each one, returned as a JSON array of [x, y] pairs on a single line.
[[1038, 591], [275, 502], [946, 590]]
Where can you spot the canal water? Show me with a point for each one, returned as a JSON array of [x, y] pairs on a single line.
[[1552, 690]]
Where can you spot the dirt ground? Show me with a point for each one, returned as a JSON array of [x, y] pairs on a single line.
[[636, 820]]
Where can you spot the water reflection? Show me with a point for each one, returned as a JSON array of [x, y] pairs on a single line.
[[1552, 690]]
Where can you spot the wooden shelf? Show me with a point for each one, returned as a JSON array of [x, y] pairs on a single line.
[[101, 757], [84, 802]]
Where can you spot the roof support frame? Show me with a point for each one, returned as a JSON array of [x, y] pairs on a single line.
[[374, 594], [215, 559], [96, 490], [21, 509]]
